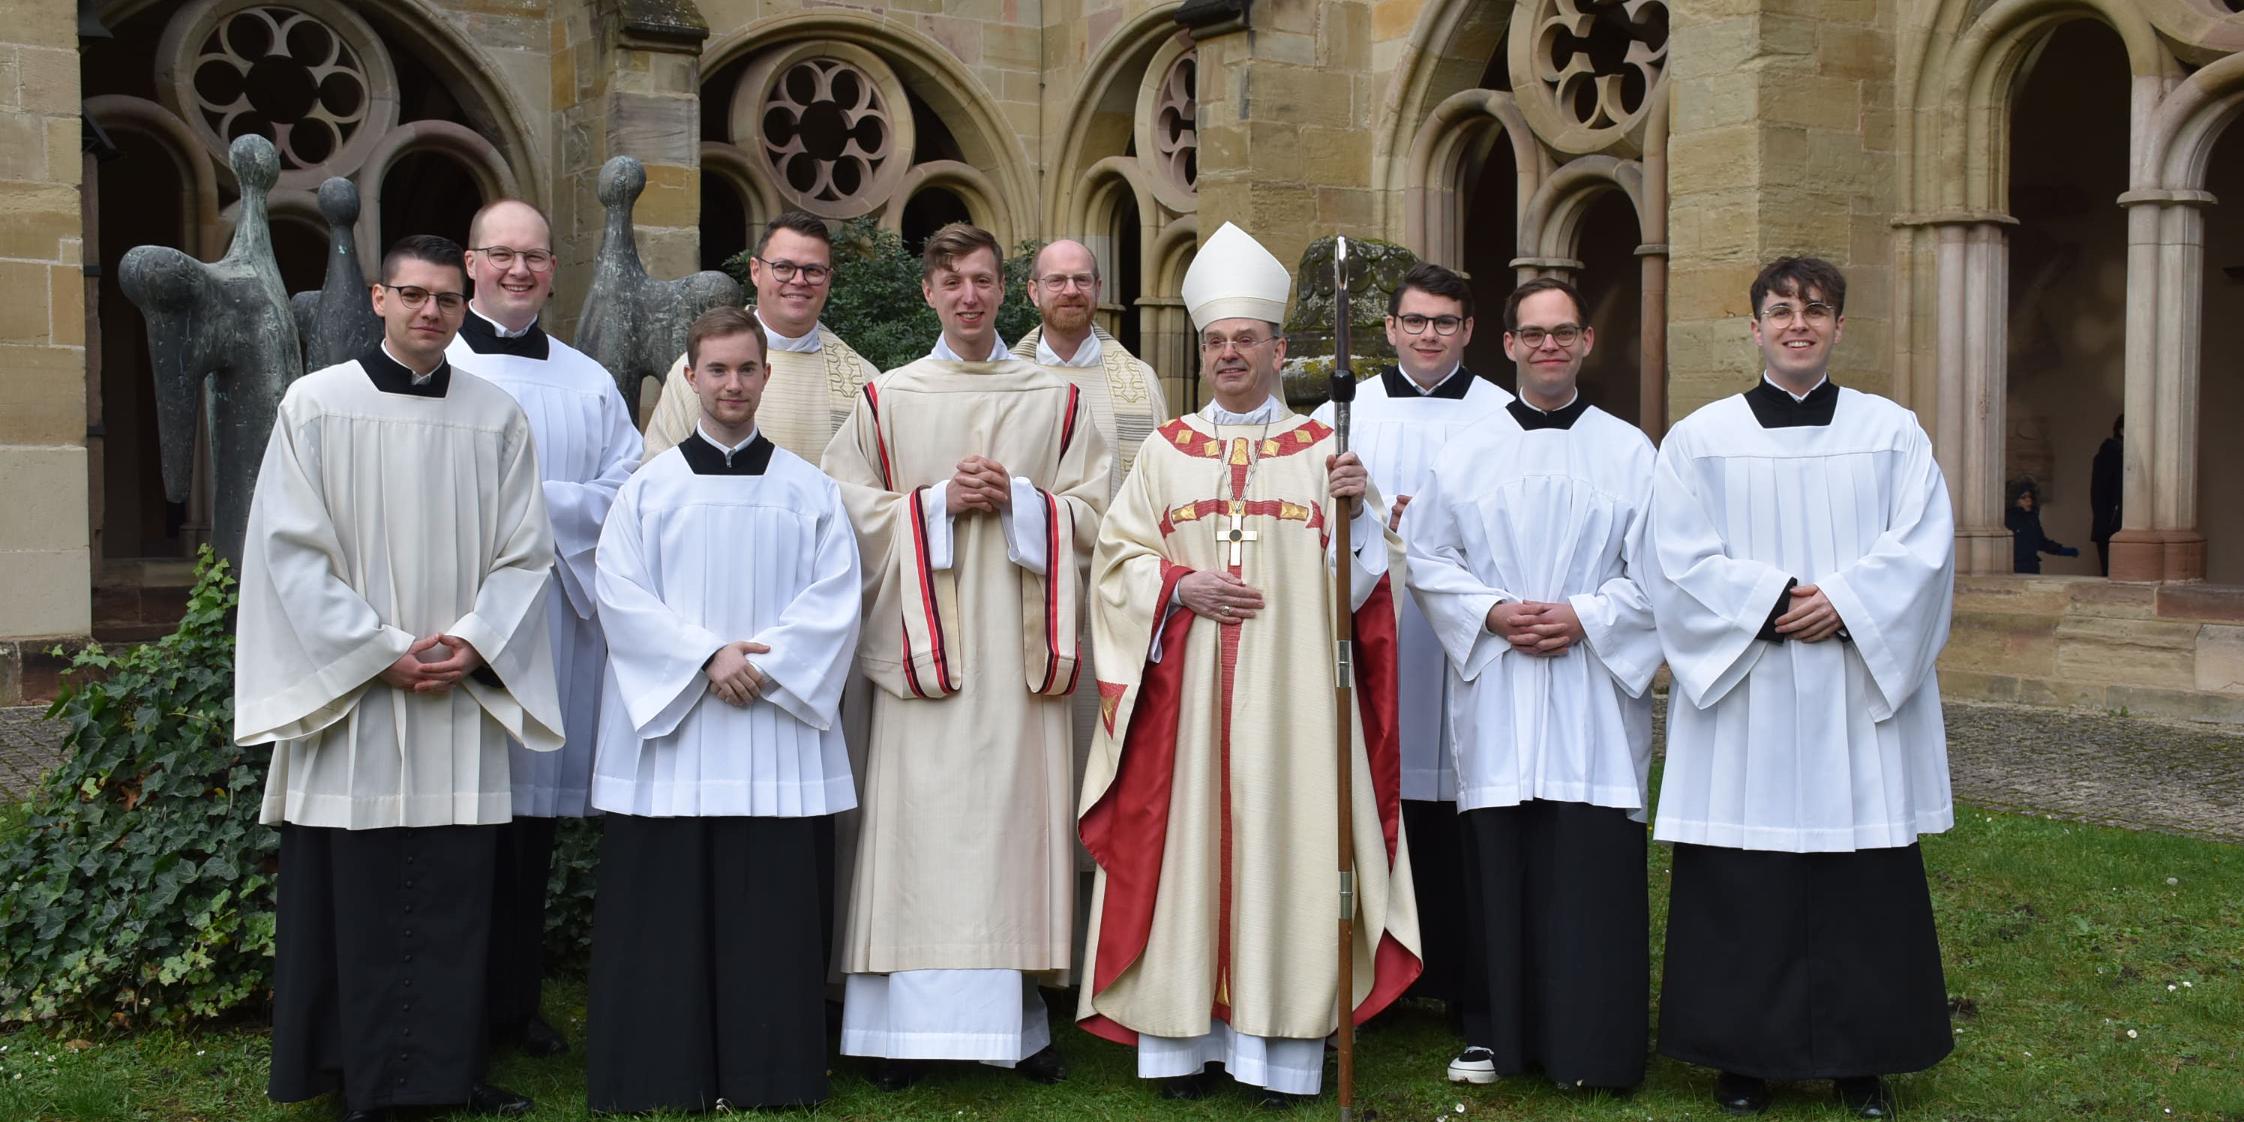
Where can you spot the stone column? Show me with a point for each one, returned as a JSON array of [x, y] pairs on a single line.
[[44, 536], [1651, 318], [1286, 105], [627, 82], [2158, 538], [1972, 261]]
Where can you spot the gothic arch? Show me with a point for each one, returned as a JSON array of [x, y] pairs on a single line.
[[199, 208], [464, 146], [729, 163], [981, 196], [1457, 135], [1550, 221], [1118, 69], [987, 141], [1447, 51]]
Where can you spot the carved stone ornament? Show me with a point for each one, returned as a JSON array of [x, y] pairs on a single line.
[[1176, 137], [1585, 70], [309, 75], [830, 123]]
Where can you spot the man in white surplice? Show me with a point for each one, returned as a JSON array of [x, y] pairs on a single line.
[[586, 449], [729, 584], [1403, 419], [1802, 572], [392, 643], [1525, 545]]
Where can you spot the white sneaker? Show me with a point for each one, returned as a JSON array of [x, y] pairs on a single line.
[[1473, 1065]]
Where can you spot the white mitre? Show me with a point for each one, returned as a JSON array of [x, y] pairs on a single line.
[[1233, 277]]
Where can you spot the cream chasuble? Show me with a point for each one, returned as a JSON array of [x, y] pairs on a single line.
[[1210, 796], [813, 386], [387, 510], [963, 858]]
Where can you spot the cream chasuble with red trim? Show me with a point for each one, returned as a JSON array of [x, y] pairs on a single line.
[[1210, 798], [963, 860]]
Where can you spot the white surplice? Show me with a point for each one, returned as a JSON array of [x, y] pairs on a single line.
[[1399, 438], [586, 446], [1547, 515], [1831, 746], [382, 516], [691, 561]]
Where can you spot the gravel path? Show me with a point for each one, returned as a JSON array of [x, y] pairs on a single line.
[[2091, 767]]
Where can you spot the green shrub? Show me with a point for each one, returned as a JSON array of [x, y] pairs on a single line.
[[876, 304], [139, 889]]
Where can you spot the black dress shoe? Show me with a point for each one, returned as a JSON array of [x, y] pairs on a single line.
[[1280, 1100], [541, 1040], [484, 1098], [366, 1116], [1043, 1067], [1198, 1085], [1865, 1096], [1741, 1094], [894, 1075]]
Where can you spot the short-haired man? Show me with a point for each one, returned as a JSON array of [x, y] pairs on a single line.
[[1403, 419], [976, 482], [1525, 545], [815, 376], [1121, 395], [1802, 562], [729, 586], [586, 449], [392, 641]]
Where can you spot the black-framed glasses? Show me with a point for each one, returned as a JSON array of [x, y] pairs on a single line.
[[1414, 324], [413, 296], [789, 270], [1565, 335], [1815, 314], [503, 256]]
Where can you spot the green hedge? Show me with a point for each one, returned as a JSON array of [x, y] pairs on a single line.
[[876, 304], [140, 887]]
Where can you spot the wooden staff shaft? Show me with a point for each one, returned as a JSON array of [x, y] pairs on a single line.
[[1343, 681]]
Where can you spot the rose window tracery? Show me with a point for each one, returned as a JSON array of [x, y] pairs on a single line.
[[285, 76], [1590, 66], [826, 130], [1176, 138]]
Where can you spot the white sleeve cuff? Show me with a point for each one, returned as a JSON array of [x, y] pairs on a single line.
[[1025, 526], [1161, 626], [937, 508]]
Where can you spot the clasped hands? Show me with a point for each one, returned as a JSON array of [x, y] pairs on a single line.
[[734, 679], [982, 484], [1532, 627], [420, 670], [1811, 618]]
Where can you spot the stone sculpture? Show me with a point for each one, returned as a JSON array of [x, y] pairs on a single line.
[[1375, 268], [337, 323], [631, 323], [223, 345]]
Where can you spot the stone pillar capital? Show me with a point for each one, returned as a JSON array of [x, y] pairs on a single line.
[[2167, 196], [1953, 218]]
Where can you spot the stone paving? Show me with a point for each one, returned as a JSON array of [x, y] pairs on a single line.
[[2090, 767]]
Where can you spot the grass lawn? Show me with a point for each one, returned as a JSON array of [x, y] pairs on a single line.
[[2097, 974]]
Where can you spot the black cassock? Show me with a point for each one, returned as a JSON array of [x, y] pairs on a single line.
[[1451, 973], [379, 959], [708, 965], [1803, 965], [1559, 925]]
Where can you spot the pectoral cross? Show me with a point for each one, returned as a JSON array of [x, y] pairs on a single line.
[[1237, 535]]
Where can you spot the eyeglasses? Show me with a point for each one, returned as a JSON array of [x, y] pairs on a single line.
[[1060, 281], [1415, 324], [413, 297], [1242, 344], [1565, 335], [1815, 314], [535, 260], [788, 270]]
